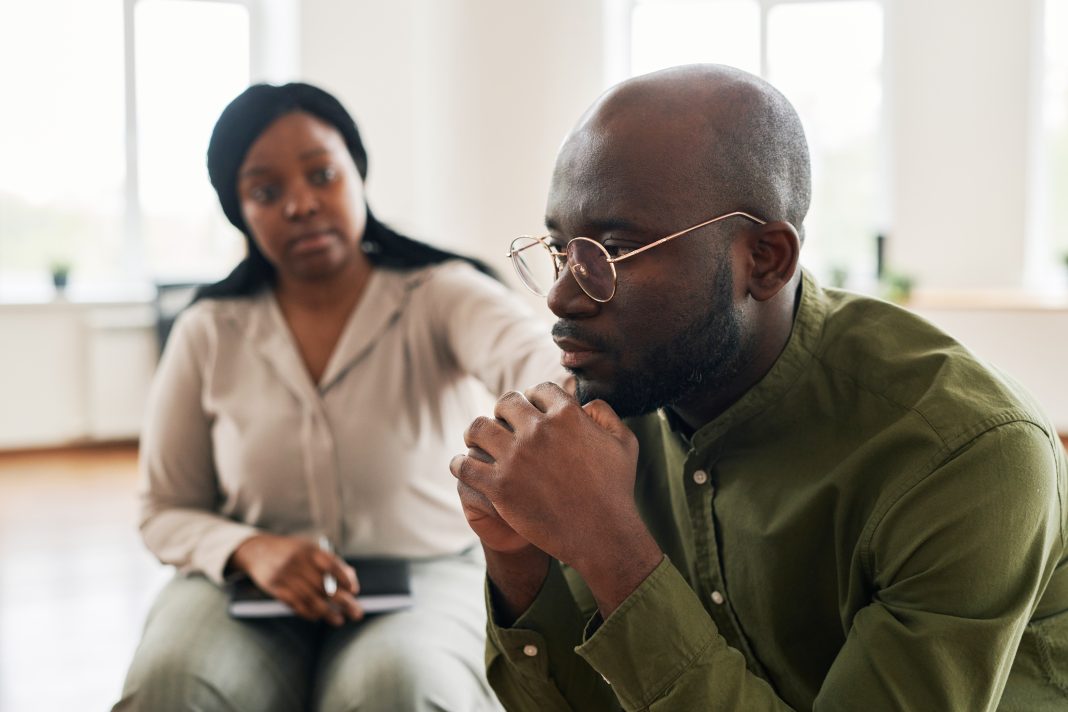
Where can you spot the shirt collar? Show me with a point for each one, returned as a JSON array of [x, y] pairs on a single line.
[[384, 298], [795, 358]]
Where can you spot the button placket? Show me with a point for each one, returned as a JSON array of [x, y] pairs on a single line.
[[699, 496]]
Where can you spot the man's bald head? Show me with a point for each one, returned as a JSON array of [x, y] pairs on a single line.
[[735, 142]]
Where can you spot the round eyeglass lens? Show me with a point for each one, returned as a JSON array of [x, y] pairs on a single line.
[[533, 263], [590, 267]]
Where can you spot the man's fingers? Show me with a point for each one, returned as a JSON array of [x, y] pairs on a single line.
[[604, 416], [513, 409], [470, 470], [488, 435], [480, 454], [472, 499], [547, 396]]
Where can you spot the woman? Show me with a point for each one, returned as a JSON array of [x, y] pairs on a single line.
[[317, 393]]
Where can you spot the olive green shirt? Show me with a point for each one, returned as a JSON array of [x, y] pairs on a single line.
[[879, 524]]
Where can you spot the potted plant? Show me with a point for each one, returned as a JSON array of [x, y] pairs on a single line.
[[60, 272], [897, 287]]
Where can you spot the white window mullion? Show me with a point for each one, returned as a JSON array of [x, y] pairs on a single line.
[[134, 267]]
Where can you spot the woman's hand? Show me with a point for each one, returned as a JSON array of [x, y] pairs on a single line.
[[291, 569]]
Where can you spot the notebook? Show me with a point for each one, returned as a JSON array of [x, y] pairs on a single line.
[[385, 585]]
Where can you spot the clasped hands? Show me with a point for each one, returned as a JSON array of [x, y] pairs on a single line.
[[549, 474]]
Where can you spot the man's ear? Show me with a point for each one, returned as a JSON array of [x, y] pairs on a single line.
[[774, 250]]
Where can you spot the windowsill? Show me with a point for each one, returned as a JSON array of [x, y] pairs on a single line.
[[987, 300], [47, 296]]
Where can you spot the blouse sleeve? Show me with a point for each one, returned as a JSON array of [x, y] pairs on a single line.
[[491, 332], [178, 489]]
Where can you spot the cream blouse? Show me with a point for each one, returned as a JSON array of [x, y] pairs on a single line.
[[239, 440]]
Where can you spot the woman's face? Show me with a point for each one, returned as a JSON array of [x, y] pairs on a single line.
[[302, 198]]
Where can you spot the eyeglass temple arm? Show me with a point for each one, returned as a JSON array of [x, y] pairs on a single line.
[[673, 235], [538, 241]]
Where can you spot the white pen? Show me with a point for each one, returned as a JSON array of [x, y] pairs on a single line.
[[329, 582]]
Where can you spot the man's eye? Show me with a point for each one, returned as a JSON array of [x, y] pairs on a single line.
[[618, 250], [323, 176]]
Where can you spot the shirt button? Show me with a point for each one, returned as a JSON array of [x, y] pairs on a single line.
[[718, 598], [700, 477], [530, 650]]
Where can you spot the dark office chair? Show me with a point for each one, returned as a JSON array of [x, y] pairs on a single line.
[[171, 299]]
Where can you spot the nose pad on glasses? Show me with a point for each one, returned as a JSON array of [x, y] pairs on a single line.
[[579, 270]]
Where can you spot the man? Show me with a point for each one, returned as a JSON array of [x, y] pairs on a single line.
[[819, 500]]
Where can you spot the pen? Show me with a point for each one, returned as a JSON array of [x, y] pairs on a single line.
[[329, 582]]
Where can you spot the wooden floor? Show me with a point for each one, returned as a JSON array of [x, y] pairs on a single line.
[[75, 580]]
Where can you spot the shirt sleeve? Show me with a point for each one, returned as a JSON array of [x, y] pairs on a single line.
[[491, 332], [532, 665], [959, 561], [178, 488]]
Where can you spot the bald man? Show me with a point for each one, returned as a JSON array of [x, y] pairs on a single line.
[[817, 500]]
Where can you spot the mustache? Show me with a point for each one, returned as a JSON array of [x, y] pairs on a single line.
[[569, 330]]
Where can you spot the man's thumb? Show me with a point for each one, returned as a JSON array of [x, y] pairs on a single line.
[[604, 416]]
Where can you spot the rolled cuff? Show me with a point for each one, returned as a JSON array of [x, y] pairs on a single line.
[[651, 639]]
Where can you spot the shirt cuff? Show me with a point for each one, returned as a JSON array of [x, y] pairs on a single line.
[[650, 639], [216, 547], [548, 630]]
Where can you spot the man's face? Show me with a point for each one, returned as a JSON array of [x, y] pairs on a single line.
[[673, 331]]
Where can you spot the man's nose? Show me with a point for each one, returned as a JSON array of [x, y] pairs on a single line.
[[301, 202], [567, 300]]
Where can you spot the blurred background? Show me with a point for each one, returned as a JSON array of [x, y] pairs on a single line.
[[939, 134]]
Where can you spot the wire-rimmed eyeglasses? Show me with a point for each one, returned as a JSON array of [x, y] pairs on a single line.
[[589, 262]]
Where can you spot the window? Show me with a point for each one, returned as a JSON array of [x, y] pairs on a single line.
[[104, 148], [183, 232], [62, 172], [826, 57], [1054, 218]]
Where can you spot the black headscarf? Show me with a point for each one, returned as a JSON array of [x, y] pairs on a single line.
[[238, 127]]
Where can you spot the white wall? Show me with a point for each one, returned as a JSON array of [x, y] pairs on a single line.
[[462, 105]]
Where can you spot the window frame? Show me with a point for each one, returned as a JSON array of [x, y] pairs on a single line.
[[619, 26], [273, 49]]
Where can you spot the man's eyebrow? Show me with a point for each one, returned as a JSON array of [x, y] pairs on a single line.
[[599, 226], [312, 153]]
